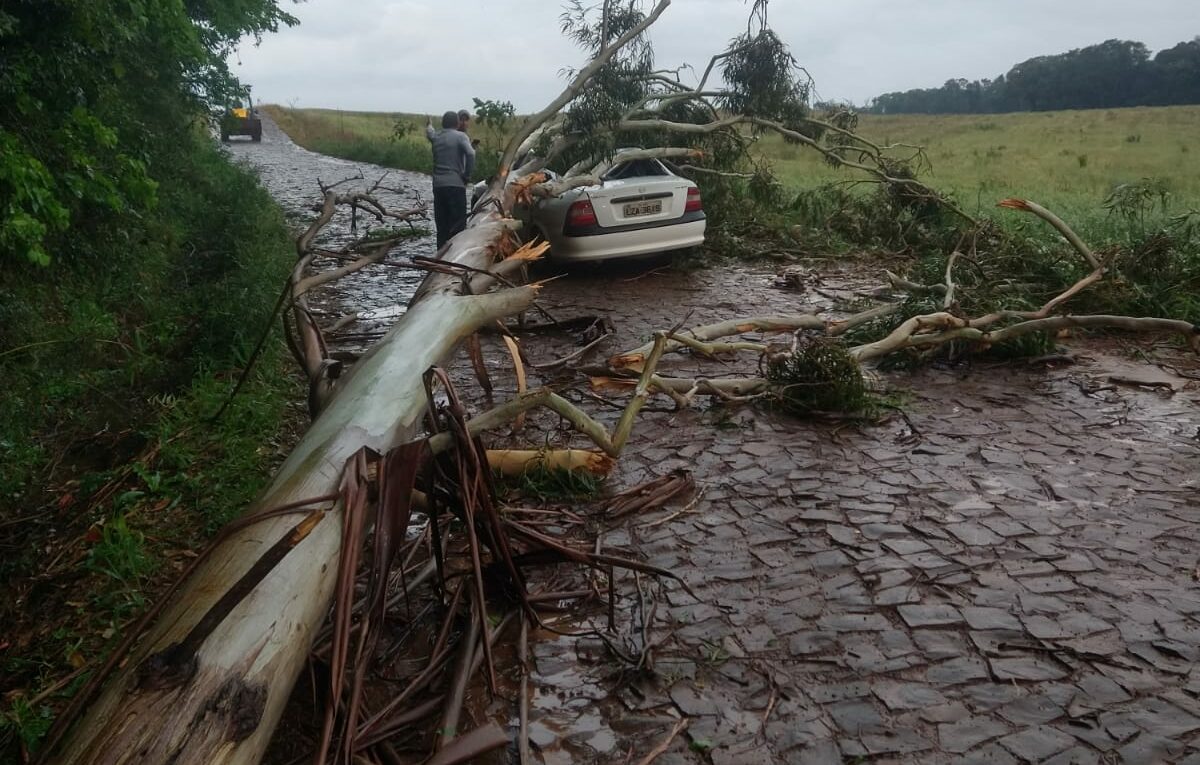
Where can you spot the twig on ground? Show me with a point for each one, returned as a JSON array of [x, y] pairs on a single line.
[[682, 511], [665, 744], [573, 356]]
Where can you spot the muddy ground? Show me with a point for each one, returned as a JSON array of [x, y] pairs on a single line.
[[1007, 574]]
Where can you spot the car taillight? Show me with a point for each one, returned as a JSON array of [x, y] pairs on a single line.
[[581, 214], [693, 201]]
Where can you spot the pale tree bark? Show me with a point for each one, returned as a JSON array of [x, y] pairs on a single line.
[[226, 706]]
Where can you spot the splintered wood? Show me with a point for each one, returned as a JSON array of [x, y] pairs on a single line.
[[651, 495]]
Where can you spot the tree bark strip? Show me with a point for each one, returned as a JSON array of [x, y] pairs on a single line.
[[227, 709]]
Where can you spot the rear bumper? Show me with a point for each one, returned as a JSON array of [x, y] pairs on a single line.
[[628, 243], [598, 230], [245, 127]]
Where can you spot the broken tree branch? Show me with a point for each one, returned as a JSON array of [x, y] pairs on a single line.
[[1024, 205], [636, 358], [665, 744], [588, 427], [256, 652], [576, 85]]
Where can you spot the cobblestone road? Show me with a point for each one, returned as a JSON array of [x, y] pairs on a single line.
[[1009, 577], [1013, 578]]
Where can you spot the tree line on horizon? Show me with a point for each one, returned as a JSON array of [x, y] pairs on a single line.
[[1113, 74]]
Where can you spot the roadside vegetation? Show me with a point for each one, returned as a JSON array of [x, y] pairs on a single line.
[[138, 267], [388, 139], [1126, 180], [358, 136]]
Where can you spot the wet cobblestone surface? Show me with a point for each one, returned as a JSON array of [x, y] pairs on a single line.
[[293, 176], [1009, 576], [1012, 578]]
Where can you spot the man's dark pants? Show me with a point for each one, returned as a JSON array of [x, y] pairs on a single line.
[[449, 212]]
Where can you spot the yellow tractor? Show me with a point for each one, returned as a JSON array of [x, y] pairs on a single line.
[[242, 120]]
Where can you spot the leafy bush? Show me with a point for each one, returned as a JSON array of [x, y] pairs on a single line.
[[819, 376], [87, 344], [122, 354], [94, 92], [496, 118]]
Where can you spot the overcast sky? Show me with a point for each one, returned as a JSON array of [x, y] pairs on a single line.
[[432, 55]]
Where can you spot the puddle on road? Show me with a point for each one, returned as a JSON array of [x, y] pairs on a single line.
[[1143, 391], [574, 716]]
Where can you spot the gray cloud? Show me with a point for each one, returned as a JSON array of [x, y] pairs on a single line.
[[408, 55]]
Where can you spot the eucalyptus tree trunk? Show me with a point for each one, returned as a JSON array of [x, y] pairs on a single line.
[[221, 702]]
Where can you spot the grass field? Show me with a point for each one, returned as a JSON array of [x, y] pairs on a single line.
[[365, 137], [314, 124], [1068, 160]]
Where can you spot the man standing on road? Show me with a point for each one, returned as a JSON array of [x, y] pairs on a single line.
[[453, 165]]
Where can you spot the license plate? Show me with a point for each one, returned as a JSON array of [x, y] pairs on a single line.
[[637, 209]]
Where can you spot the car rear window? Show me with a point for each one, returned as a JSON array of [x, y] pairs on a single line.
[[638, 168]]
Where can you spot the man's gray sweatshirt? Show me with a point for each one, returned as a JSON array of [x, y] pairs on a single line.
[[453, 157]]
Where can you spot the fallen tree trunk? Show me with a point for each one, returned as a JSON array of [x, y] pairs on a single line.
[[209, 681], [220, 702]]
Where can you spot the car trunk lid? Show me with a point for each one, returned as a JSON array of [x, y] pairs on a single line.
[[633, 201]]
